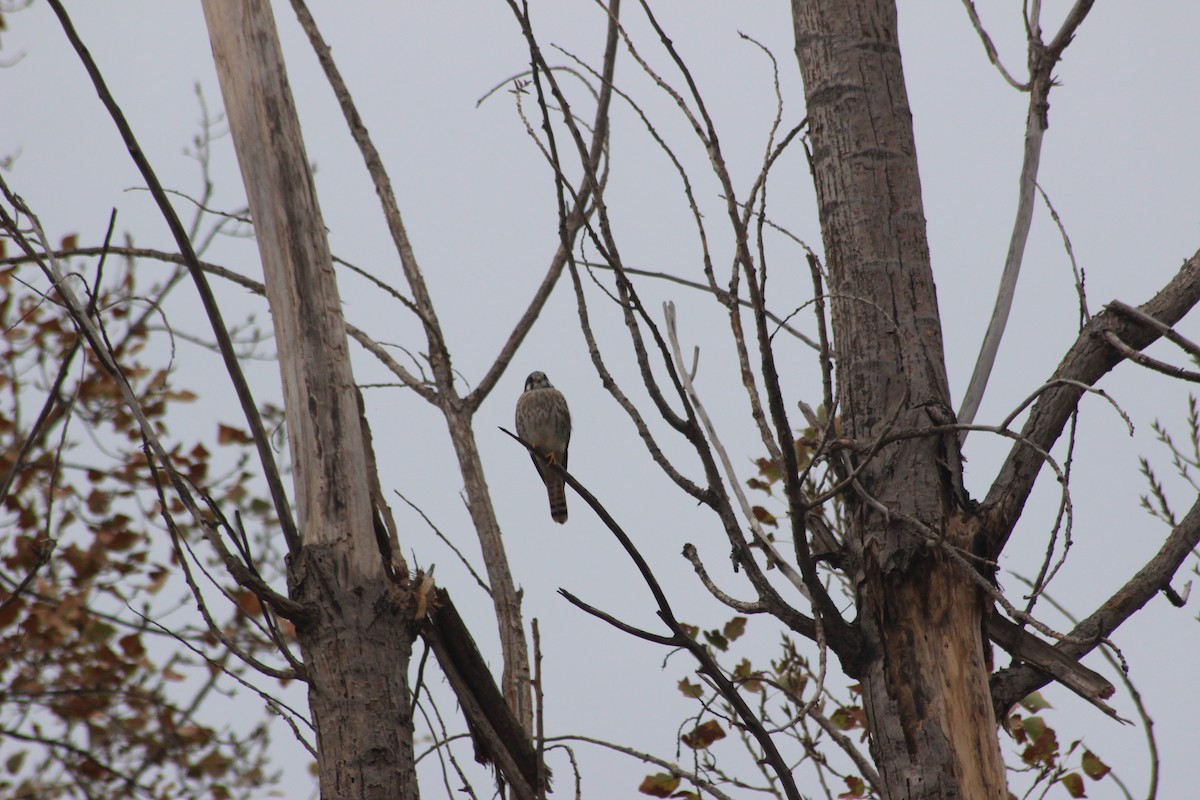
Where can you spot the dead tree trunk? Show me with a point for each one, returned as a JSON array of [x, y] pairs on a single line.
[[932, 728], [357, 645]]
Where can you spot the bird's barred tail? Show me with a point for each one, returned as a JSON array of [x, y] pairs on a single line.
[[556, 490]]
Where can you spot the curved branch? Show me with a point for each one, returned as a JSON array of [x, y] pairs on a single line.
[[673, 768], [439, 353], [990, 48], [645, 273], [666, 641], [689, 552]]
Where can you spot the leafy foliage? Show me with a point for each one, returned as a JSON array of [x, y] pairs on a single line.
[[97, 697], [781, 689], [1044, 758]]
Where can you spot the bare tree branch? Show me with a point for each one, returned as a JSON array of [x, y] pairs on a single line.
[[744, 303], [1042, 61], [990, 48], [1138, 357], [571, 226], [1089, 359], [735, 484], [758, 607], [1134, 695], [1010, 685], [679, 637], [699, 782]]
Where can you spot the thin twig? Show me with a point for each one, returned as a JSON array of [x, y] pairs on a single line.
[[744, 303], [990, 48], [1076, 271], [1138, 357], [1134, 694], [462, 559], [1169, 333], [1042, 60], [734, 483], [674, 769], [208, 301], [43, 549]]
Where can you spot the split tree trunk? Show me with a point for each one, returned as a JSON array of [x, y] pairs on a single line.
[[932, 728], [356, 648]]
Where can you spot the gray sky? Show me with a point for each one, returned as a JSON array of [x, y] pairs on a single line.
[[1120, 165]]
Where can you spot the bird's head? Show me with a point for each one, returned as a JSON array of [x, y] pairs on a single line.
[[537, 380]]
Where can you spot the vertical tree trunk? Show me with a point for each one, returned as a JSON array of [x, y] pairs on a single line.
[[357, 648], [932, 728]]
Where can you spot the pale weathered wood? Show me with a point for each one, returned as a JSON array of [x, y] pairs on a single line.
[[322, 418], [925, 689], [357, 647]]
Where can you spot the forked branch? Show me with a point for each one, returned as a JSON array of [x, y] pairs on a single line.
[[1042, 60], [1088, 360]]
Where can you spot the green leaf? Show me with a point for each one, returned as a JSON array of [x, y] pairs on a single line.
[[1043, 746], [717, 640], [1034, 727], [764, 517], [855, 788], [769, 470], [1035, 702], [749, 678], [1093, 767], [804, 449], [848, 718], [734, 628], [690, 689], [98, 632], [1074, 783]]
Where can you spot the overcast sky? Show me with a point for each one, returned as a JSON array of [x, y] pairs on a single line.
[[1120, 164]]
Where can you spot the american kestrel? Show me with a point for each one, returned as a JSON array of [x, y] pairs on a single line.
[[544, 421]]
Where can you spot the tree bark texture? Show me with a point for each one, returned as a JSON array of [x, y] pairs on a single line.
[[357, 646], [932, 728]]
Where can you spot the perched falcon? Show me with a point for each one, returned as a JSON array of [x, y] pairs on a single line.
[[544, 421]]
